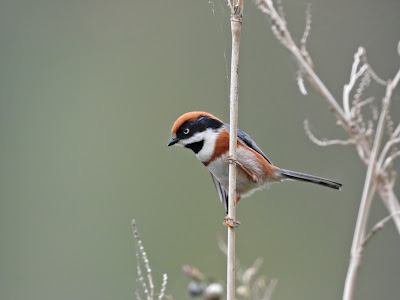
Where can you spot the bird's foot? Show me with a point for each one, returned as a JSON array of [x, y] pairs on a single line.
[[231, 223], [232, 161], [253, 177]]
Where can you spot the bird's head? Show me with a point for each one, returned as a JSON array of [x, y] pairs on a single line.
[[195, 130]]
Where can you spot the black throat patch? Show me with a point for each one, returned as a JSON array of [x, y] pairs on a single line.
[[196, 147]]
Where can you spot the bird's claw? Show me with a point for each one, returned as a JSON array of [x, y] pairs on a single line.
[[231, 223], [233, 161], [253, 177]]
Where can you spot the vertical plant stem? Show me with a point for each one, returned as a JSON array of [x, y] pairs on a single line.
[[392, 204], [367, 196], [377, 178], [236, 26], [356, 253]]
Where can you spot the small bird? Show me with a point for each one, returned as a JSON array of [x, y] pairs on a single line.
[[208, 137]]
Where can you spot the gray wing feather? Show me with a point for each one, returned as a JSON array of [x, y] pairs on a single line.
[[222, 193], [248, 141]]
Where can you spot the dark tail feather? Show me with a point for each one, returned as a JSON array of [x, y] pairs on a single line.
[[309, 178]]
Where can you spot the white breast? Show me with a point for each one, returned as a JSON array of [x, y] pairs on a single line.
[[220, 169], [210, 137]]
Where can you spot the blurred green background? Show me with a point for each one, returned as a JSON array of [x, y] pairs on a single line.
[[89, 92]]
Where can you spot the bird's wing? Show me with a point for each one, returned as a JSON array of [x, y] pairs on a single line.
[[222, 193], [248, 141]]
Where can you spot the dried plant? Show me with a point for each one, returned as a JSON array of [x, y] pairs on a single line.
[[368, 124], [253, 286], [236, 9], [145, 279], [367, 127], [250, 285], [202, 286]]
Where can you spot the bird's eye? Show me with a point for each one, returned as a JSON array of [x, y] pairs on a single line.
[[186, 131]]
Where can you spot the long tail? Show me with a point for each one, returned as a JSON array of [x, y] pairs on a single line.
[[309, 178]]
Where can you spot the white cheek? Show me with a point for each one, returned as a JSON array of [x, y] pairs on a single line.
[[210, 137], [193, 139]]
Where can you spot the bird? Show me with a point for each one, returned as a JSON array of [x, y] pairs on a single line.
[[208, 137]]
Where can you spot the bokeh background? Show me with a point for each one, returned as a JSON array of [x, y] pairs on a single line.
[[89, 92]]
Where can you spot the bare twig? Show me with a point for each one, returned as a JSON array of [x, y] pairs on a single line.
[[380, 175], [141, 278], [390, 160], [361, 135], [366, 198], [385, 151], [250, 272], [270, 289], [281, 29], [304, 52], [391, 202], [236, 7], [255, 287], [372, 72], [148, 287], [396, 132], [250, 284], [356, 250], [143, 255], [300, 82], [354, 75], [376, 77], [377, 227], [163, 287], [307, 28], [283, 35], [357, 105], [315, 140], [364, 83]]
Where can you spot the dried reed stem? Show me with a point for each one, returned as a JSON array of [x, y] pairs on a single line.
[[367, 195], [377, 227], [163, 287], [236, 7], [147, 287], [380, 176]]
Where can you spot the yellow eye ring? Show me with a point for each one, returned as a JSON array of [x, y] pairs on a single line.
[[186, 131]]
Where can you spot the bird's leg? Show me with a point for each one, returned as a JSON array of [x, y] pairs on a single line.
[[229, 222], [253, 177]]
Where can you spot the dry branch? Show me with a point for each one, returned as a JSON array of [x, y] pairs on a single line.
[[325, 143], [147, 286], [377, 227], [236, 7], [380, 176]]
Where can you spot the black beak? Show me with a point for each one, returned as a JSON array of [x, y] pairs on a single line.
[[172, 141]]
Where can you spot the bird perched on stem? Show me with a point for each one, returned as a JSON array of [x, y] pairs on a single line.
[[208, 137]]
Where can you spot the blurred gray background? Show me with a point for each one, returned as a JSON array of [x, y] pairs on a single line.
[[89, 92]]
